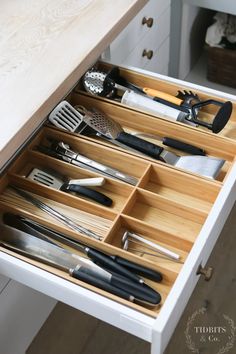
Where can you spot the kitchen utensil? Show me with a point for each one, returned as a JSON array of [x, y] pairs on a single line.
[[61, 150], [66, 117], [78, 267], [55, 214], [174, 143], [205, 166], [154, 246], [162, 109], [98, 83], [106, 84], [49, 180], [114, 263], [220, 119], [188, 98], [97, 115]]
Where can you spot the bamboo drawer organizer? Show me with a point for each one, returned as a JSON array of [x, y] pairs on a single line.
[[167, 206], [169, 87]]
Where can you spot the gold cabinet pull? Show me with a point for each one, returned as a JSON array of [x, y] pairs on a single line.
[[205, 271], [147, 21], [147, 53]]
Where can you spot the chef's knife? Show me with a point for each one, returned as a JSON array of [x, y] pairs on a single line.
[[78, 267], [114, 263]]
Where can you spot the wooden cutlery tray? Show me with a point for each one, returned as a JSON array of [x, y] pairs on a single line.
[[167, 206]]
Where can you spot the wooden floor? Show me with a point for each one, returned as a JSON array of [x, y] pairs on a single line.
[[68, 331]]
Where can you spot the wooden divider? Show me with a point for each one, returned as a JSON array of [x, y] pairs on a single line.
[[166, 206], [142, 80]]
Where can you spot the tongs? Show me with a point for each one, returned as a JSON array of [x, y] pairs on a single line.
[[62, 151]]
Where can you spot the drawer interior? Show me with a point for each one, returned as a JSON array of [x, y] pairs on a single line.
[[166, 206], [155, 128], [206, 113]]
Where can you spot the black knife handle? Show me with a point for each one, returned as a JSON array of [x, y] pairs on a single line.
[[139, 291], [103, 260], [81, 274], [87, 192], [180, 145], [141, 145], [138, 269]]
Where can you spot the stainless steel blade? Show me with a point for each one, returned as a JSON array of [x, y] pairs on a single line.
[[47, 252], [202, 165]]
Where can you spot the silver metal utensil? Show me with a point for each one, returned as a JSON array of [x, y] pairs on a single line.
[[98, 83], [65, 116], [148, 244], [53, 181], [59, 147], [55, 214], [77, 266], [75, 120], [202, 165]]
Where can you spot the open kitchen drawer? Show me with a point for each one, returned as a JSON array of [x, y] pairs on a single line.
[[178, 209]]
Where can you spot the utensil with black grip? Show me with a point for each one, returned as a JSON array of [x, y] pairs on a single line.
[[203, 165], [174, 143], [49, 180], [79, 267], [117, 264]]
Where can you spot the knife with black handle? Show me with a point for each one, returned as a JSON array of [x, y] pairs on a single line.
[[116, 284], [79, 267], [114, 263]]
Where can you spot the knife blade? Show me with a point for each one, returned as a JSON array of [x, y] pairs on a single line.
[[77, 266]]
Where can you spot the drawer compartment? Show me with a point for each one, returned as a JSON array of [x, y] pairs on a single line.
[[137, 122], [171, 86]]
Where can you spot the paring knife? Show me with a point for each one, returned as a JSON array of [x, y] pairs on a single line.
[[113, 263], [78, 267]]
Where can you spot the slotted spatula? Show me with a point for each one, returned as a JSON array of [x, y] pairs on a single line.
[[104, 125], [55, 182], [75, 120]]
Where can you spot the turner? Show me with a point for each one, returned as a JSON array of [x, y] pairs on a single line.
[[76, 119], [68, 118], [202, 165], [49, 180]]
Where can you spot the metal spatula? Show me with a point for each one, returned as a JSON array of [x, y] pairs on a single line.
[[66, 117], [205, 166], [55, 182], [105, 126]]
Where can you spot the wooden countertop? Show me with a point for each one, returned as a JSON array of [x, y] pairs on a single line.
[[45, 47]]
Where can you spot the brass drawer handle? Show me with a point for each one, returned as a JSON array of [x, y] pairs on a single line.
[[147, 53], [147, 21], [207, 272]]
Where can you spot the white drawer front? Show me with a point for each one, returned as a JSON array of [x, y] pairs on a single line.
[[135, 32], [159, 62], [155, 42]]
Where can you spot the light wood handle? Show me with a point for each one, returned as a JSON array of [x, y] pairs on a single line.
[[163, 95]]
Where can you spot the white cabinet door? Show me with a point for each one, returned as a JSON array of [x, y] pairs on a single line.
[[22, 313]]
